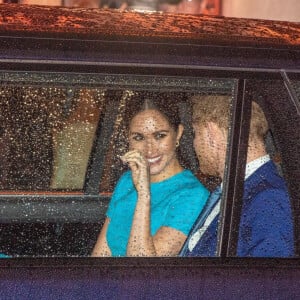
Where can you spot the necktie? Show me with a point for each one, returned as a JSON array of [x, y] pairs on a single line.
[[211, 202]]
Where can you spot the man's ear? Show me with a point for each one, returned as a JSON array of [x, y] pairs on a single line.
[[216, 133], [179, 132]]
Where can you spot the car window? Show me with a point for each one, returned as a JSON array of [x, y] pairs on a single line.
[[47, 135], [67, 136], [271, 174], [63, 134]]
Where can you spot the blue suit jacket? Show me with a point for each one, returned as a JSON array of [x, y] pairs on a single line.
[[266, 227]]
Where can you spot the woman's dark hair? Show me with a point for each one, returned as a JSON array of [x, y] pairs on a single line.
[[165, 103], [173, 105]]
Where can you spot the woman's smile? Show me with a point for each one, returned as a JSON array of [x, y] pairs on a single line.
[[153, 160]]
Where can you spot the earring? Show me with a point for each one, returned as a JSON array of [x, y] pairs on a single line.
[[177, 144]]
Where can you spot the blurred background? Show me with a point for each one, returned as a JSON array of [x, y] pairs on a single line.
[[288, 10]]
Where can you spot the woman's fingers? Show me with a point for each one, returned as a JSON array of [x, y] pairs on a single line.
[[133, 166], [139, 167], [136, 157]]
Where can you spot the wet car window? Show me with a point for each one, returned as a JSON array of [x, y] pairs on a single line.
[[266, 224], [47, 134], [269, 193], [63, 134], [259, 212], [67, 136], [270, 187]]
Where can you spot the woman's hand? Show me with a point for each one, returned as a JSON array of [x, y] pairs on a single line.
[[140, 170], [167, 241]]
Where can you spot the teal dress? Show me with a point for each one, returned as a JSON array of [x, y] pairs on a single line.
[[175, 202], [2, 255]]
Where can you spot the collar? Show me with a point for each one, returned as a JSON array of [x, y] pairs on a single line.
[[253, 165]]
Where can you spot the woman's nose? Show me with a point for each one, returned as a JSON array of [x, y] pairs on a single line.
[[149, 146]]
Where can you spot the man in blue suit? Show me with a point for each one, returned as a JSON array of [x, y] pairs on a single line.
[[266, 226]]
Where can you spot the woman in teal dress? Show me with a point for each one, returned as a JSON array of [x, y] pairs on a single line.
[[155, 204]]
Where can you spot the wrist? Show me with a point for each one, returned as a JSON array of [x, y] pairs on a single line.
[[145, 193]]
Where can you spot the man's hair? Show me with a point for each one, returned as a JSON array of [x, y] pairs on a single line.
[[217, 109]]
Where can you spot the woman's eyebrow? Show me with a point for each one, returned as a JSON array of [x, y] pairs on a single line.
[[161, 131], [158, 131]]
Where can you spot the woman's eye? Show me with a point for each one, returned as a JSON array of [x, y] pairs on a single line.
[[159, 136], [137, 138]]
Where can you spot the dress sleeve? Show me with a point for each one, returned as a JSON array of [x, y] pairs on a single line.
[[185, 208], [267, 230]]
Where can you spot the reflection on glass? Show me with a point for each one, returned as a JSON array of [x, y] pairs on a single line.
[[73, 141], [46, 136]]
